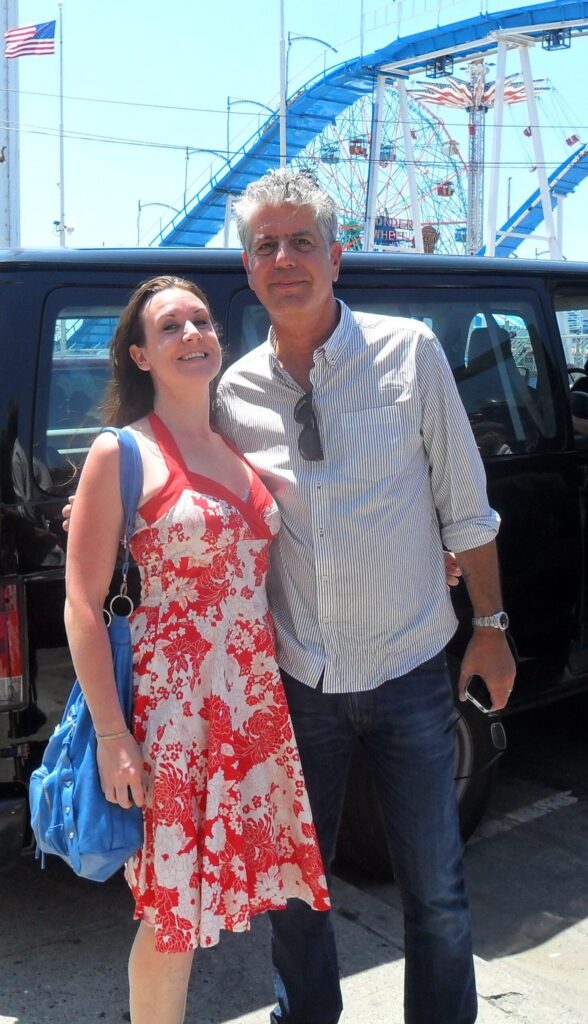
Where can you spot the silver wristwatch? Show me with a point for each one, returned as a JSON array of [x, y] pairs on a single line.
[[498, 621]]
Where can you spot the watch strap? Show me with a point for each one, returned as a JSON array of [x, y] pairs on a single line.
[[498, 620]]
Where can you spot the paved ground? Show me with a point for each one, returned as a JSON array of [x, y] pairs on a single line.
[[64, 943]]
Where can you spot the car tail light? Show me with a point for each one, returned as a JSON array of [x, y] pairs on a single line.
[[12, 646]]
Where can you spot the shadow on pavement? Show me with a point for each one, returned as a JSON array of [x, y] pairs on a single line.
[[64, 944]]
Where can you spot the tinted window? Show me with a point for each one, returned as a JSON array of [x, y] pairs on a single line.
[[74, 371], [248, 323], [571, 310], [493, 339]]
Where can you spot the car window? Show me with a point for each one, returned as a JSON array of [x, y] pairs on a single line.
[[73, 375], [493, 340], [571, 310], [248, 323]]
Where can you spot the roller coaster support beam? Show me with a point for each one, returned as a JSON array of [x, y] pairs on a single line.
[[227, 223], [559, 208], [496, 149], [372, 182], [554, 246], [410, 168]]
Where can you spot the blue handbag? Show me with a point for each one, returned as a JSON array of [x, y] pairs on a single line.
[[70, 816]]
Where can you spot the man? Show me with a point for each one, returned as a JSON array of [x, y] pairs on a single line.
[[354, 423]]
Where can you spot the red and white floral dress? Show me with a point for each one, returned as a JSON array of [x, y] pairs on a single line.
[[228, 828]]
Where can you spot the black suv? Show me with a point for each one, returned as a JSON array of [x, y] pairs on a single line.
[[513, 332]]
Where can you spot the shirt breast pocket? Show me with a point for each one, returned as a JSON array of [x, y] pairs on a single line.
[[379, 442]]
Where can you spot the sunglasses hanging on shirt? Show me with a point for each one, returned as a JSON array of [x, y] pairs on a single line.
[[309, 439]]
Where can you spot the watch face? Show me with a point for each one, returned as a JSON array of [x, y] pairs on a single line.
[[503, 620]]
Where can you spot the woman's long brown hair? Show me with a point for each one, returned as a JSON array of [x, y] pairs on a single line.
[[130, 395]]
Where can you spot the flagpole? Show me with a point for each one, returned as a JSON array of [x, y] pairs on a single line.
[[9, 138], [61, 147]]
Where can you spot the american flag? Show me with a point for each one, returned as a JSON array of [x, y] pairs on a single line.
[[30, 39]]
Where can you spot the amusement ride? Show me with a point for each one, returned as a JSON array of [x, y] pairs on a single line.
[[370, 131]]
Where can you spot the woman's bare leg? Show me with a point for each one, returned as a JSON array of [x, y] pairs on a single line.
[[158, 982]]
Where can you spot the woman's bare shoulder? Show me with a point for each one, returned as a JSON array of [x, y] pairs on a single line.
[[106, 442]]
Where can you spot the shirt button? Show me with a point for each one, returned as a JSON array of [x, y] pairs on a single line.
[[318, 487], [324, 578], [321, 533]]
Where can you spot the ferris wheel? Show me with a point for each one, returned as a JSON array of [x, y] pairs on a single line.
[[339, 157], [421, 200]]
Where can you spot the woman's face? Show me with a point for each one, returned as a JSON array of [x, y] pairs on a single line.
[[181, 346]]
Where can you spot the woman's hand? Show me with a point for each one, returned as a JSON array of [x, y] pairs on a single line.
[[452, 569], [66, 513], [122, 775]]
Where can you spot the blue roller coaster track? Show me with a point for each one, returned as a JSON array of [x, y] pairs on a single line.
[[564, 180], [327, 95]]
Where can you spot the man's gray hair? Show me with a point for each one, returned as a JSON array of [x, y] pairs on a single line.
[[286, 187]]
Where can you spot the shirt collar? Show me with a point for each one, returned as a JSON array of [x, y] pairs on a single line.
[[332, 347]]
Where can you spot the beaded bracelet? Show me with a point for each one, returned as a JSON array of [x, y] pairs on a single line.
[[113, 735]]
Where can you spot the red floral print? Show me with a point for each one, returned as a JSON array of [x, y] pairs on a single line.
[[228, 828]]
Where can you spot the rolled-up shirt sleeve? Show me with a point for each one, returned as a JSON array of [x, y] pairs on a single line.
[[458, 479]]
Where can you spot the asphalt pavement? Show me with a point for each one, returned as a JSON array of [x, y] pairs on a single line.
[[64, 945], [64, 942]]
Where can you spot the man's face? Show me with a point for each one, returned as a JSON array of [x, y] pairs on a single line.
[[289, 267]]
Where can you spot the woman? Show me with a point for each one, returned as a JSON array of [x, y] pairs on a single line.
[[211, 758]]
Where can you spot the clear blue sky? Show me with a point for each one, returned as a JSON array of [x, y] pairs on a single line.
[[128, 64]]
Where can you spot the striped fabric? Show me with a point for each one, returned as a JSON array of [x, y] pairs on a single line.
[[357, 583]]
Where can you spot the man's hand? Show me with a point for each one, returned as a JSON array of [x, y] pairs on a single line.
[[488, 655], [66, 512]]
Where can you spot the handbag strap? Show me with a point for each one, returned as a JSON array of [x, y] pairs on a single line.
[[131, 485]]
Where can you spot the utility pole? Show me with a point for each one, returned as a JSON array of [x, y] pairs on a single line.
[[61, 134], [9, 138], [283, 135]]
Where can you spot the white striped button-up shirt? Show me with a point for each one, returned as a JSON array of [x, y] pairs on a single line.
[[357, 580]]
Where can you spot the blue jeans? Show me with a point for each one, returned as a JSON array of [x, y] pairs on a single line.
[[407, 727]]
